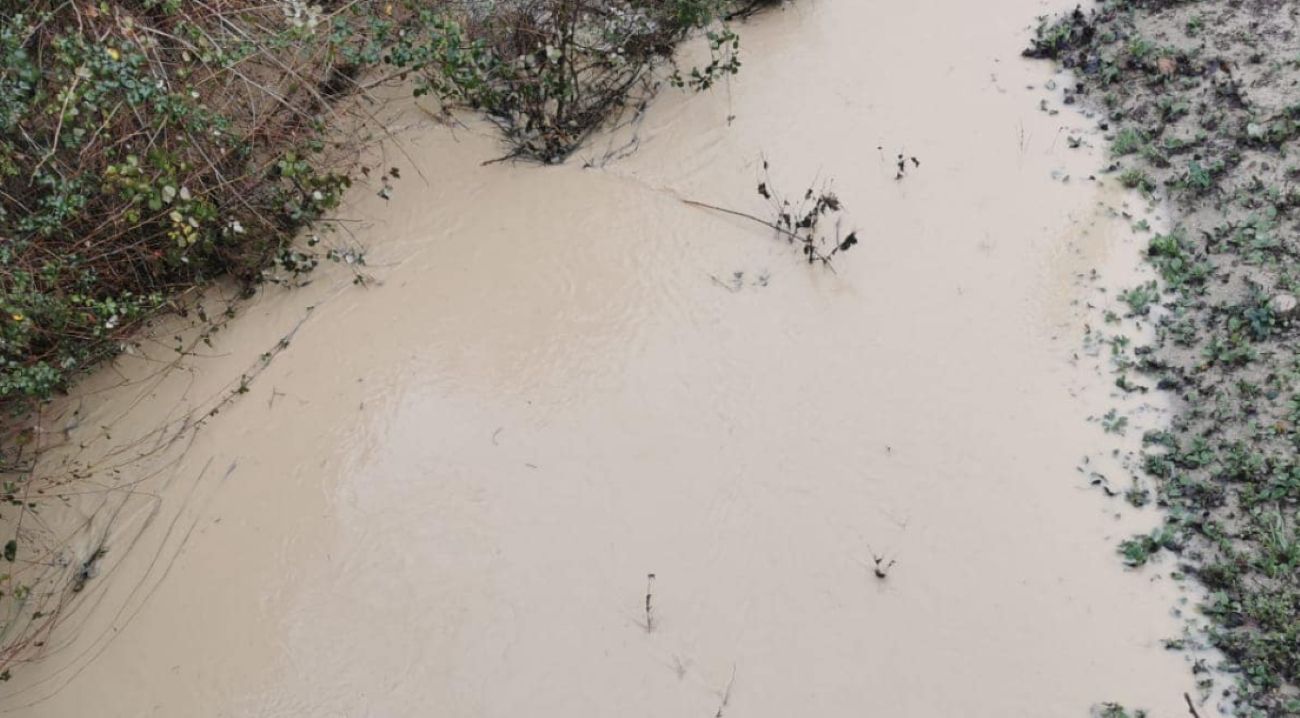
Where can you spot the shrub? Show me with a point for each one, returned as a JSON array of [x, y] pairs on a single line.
[[548, 72], [148, 146], [143, 150]]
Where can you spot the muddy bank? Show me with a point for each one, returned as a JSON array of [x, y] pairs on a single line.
[[1198, 100], [579, 381]]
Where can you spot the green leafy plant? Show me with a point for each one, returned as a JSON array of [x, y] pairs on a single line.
[[548, 72]]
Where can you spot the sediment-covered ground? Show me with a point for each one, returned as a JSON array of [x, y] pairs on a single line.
[[1201, 105]]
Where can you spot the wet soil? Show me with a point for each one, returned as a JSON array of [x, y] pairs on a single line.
[[1199, 103]]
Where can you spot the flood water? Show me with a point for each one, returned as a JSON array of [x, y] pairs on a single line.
[[445, 495]]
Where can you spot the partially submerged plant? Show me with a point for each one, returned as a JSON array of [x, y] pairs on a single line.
[[1116, 710], [549, 72], [649, 607], [804, 221], [902, 165], [881, 567]]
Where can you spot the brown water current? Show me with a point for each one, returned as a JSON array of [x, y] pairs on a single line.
[[444, 496]]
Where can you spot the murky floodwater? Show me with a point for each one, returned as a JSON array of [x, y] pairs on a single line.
[[444, 497]]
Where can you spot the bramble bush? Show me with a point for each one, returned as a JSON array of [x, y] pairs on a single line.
[[140, 155], [149, 146]]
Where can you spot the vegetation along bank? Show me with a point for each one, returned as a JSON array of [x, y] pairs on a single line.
[[1199, 99]]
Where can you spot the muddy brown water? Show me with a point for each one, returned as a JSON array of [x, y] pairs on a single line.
[[445, 496]]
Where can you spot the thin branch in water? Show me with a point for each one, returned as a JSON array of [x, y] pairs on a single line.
[[799, 223], [726, 694], [649, 609]]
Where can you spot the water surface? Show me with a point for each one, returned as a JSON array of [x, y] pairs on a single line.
[[445, 496]]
